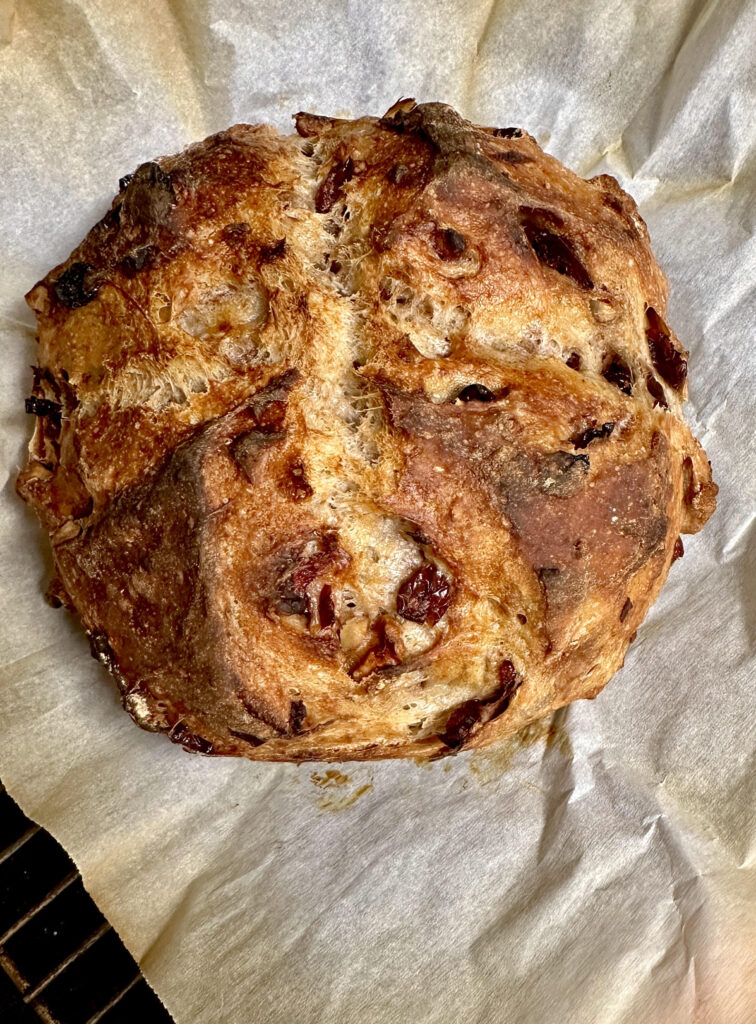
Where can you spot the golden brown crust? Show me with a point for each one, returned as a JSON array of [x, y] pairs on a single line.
[[361, 443]]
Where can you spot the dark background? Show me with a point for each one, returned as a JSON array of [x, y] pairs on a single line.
[[62, 962]]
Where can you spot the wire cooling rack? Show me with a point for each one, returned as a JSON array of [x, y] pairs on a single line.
[[62, 962]]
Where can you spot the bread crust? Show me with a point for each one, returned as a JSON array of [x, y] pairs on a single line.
[[362, 442]]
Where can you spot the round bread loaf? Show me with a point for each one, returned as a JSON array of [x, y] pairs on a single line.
[[363, 442]]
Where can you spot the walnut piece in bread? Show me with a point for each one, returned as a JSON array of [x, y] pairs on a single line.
[[362, 442]]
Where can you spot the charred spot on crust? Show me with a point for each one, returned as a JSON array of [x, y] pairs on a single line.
[[270, 253], [77, 286], [563, 474], [297, 715], [149, 198], [112, 218], [627, 607], [668, 361], [196, 744], [449, 243], [248, 737], [424, 596], [508, 133], [138, 259], [678, 550], [584, 437], [656, 391], [616, 371], [42, 406], [454, 142], [332, 186], [437, 123], [542, 229], [100, 649], [311, 125]]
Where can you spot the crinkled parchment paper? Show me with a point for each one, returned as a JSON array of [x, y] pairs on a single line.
[[601, 867]]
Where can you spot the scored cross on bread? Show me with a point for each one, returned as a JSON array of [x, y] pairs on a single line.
[[362, 442]]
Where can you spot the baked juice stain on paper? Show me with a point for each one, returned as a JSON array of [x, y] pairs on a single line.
[[338, 791], [489, 764]]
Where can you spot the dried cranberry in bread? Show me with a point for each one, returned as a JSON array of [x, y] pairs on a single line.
[[362, 442]]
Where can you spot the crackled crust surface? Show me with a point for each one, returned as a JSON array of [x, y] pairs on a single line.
[[362, 442]]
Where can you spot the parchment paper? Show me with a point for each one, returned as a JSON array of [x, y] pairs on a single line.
[[600, 868]]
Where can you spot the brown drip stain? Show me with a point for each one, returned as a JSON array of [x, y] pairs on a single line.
[[491, 763], [336, 795]]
